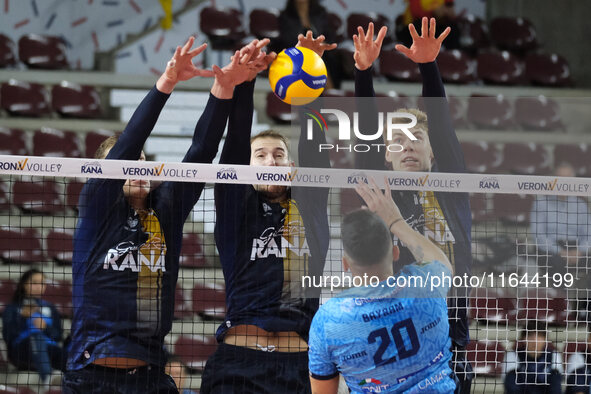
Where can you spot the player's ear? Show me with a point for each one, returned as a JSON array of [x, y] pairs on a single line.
[[291, 163], [395, 253], [346, 266]]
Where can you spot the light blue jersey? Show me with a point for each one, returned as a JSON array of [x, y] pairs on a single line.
[[385, 339]]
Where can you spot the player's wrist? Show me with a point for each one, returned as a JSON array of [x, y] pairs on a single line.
[[222, 91], [165, 84], [394, 222]]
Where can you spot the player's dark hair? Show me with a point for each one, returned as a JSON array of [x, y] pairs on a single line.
[[20, 293], [366, 238]]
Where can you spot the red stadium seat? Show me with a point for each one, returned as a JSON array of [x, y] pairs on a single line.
[[223, 27], [45, 52], [182, 306], [59, 293], [7, 289], [396, 66], [192, 253], [278, 110], [571, 348], [59, 245], [526, 158], [194, 350], [21, 245], [500, 68], [490, 112], [209, 301], [394, 101], [479, 207], [94, 139], [538, 113], [56, 143], [13, 142], [37, 196], [7, 52], [514, 34], [547, 70], [356, 19], [575, 155], [24, 99], [456, 66], [4, 196], [481, 156], [492, 305], [486, 357], [538, 307], [76, 101], [474, 35], [264, 23], [513, 208], [16, 390], [73, 189]]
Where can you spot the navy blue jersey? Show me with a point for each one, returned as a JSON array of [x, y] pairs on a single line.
[[125, 264], [265, 247], [452, 209], [384, 339]]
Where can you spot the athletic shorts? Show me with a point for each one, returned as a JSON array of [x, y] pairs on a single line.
[[95, 379], [236, 369]]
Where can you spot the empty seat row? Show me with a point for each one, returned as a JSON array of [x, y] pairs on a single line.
[[35, 51], [51, 142], [68, 99]]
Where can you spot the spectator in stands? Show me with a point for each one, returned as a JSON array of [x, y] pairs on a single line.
[[177, 370], [579, 378], [32, 328], [561, 226], [300, 16], [534, 367], [442, 10]]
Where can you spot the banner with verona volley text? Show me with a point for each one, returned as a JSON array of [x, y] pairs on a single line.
[[291, 176]]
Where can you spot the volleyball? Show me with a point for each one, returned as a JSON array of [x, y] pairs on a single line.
[[297, 73]]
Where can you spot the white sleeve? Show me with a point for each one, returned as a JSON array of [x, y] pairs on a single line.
[[509, 364], [557, 362]]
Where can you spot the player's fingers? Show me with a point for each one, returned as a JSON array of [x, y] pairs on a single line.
[[235, 58], [444, 34], [413, 32], [217, 71], [387, 191], [320, 38], [361, 33], [198, 50], [365, 193], [309, 35], [329, 47], [402, 49], [205, 73], [177, 53], [425, 27], [370, 31], [381, 36], [432, 28], [187, 45], [356, 41], [263, 43]]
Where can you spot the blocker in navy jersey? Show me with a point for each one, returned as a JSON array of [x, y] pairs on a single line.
[[385, 339]]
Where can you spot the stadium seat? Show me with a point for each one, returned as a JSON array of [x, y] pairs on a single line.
[[21, 245], [481, 157], [7, 52], [7, 289], [474, 34], [486, 357], [278, 110], [397, 67], [538, 307], [500, 68], [4, 196], [16, 390], [526, 158], [264, 23], [59, 245], [73, 189], [571, 348], [59, 293], [209, 301], [93, 140], [490, 112], [182, 306], [492, 305], [357, 19], [24, 99], [547, 70], [55, 143], [223, 27], [456, 66], [514, 34], [576, 155], [192, 253], [513, 208], [538, 113], [479, 207], [37, 196], [76, 101], [194, 350], [13, 142], [335, 23], [45, 52]]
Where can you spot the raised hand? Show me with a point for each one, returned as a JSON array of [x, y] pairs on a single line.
[[366, 49], [259, 58], [380, 202], [181, 67], [424, 48], [316, 44]]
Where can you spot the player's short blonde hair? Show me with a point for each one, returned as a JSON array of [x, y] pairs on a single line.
[[420, 115]]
